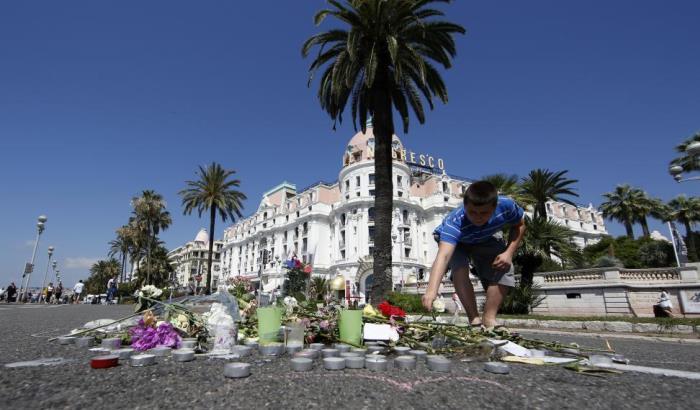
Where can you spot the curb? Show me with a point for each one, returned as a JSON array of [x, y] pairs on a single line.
[[586, 326]]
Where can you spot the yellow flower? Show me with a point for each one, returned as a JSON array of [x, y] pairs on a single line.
[[149, 319], [369, 311]]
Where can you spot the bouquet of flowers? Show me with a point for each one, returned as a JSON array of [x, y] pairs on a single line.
[[147, 335]]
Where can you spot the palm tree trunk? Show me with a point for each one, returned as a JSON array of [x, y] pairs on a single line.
[[630, 231], [383, 201], [212, 219], [541, 210], [529, 264], [690, 242], [645, 226]]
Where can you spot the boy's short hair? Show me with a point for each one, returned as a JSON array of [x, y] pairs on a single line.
[[481, 193]]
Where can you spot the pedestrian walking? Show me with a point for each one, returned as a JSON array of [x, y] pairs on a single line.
[[10, 293], [77, 291], [49, 293], [59, 292]]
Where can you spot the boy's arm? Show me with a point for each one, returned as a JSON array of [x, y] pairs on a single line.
[[437, 271], [505, 260]]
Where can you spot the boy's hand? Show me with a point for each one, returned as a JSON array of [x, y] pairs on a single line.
[[503, 262], [428, 299]]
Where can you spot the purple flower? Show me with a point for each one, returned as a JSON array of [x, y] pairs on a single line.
[[148, 340], [167, 335]]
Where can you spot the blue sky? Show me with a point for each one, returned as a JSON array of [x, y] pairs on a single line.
[[102, 99]]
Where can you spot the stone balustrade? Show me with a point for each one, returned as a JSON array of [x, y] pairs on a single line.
[[651, 275], [604, 291], [572, 276]]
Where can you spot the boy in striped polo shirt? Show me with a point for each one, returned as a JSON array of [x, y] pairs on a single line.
[[472, 232]]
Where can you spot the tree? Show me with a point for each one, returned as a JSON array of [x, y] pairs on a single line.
[[642, 206], [543, 239], [619, 206], [686, 211], [688, 162], [381, 59], [508, 185], [150, 217], [120, 245], [213, 192], [542, 185], [629, 253], [101, 272]]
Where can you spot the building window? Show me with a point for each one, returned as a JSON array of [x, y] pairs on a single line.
[[400, 194], [342, 220], [370, 232], [581, 223], [407, 252], [342, 254], [371, 179], [595, 227], [405, 216], [370, 214], [445, 188], [398, 180], [347, 184], [371, 192], [357, 181], [357, 193]]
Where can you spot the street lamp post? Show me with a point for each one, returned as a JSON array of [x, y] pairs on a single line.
[[46, 274], [693, 150], [29, 267]]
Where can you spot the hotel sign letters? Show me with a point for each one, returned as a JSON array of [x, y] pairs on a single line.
[[415, 159]]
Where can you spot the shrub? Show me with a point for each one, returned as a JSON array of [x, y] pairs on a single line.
[[410, 303], [521, 300], [608, 262]]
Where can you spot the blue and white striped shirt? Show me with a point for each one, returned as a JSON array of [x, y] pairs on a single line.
[[456, 226]]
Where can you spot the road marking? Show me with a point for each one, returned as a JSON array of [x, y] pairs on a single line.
[[681, 340]]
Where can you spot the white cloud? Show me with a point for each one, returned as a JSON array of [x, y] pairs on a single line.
[[80, 262]]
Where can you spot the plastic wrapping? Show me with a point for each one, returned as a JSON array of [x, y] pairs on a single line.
[[222, 326]]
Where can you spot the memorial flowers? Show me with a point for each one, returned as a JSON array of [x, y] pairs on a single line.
[[145, 336], [391, 311]]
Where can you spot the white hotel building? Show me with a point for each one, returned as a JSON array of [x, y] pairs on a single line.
[[331, 225]]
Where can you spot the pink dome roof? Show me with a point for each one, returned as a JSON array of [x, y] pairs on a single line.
[[361, 145]]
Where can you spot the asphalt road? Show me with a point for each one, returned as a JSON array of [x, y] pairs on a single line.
[[201, 384]]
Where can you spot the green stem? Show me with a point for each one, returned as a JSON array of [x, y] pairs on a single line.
[[95, 328]]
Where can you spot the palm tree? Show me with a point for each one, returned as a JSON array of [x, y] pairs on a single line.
[[642, 206], [120, 245], [508, 185], [687, 211], [138, 243], [619, 206], [542, 185], [100, 273], [151, 217], [216, 193], [378, 61], [543, 239], [688, 162]]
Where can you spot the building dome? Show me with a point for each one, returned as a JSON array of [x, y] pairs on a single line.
[[361, 147], [202, 236]]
